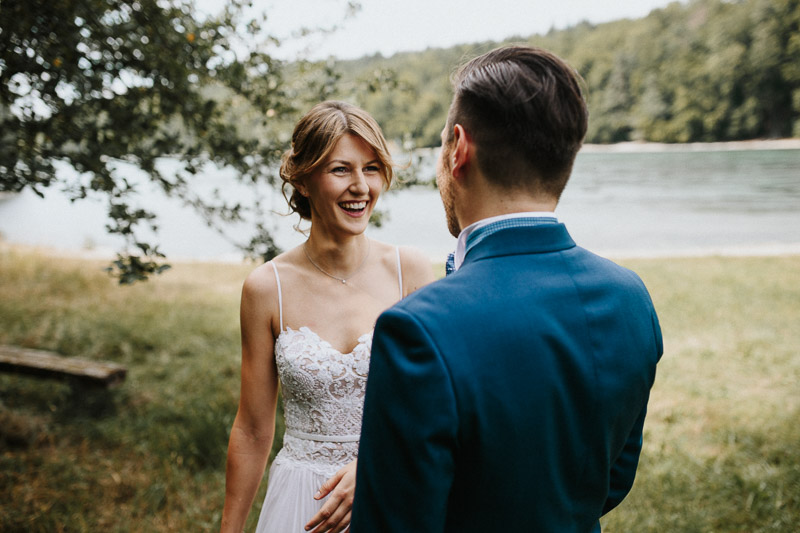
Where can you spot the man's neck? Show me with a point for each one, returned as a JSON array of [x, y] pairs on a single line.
[[479, 205]]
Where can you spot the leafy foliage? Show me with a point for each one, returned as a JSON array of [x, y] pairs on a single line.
[[95, 83]]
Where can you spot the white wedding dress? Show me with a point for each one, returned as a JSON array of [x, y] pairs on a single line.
[[323, 401]]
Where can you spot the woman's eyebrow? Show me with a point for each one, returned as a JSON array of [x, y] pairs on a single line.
[[345, 162]]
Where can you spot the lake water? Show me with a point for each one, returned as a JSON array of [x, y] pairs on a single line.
[[618, 204]]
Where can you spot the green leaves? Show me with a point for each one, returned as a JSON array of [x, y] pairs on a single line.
[[129, 268], [93, 83]]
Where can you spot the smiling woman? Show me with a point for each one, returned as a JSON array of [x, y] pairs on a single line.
[[316, 147], [347, 184], [307, 318]]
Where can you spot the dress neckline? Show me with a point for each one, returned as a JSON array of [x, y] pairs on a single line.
[[361, 341]]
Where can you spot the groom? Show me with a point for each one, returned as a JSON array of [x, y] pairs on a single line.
[[510, 395]]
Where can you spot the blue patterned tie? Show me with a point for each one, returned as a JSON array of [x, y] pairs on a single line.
[[450, 264]]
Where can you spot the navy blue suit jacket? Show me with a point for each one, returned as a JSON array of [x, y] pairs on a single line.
[[509, 396]]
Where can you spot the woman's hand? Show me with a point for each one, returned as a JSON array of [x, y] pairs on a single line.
[[335, 514]]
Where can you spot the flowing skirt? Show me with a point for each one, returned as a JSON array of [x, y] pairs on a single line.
[[289, 503]]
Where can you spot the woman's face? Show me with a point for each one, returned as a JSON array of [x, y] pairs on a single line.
[[344, 190]]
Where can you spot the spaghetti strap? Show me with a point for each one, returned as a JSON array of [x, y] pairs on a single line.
[[280, 296], [399, 271]]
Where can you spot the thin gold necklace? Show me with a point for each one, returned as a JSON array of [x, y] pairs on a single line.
[[337, 278]]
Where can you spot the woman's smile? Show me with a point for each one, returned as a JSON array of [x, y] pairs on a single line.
[[354, 209]]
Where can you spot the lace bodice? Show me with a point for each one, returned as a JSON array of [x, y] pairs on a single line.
[[323, 394], [323, 398]]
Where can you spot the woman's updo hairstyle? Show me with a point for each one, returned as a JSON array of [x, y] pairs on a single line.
[[315, 136]]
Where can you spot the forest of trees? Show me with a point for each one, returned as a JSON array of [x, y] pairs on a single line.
[[706, 70], [95, 83]]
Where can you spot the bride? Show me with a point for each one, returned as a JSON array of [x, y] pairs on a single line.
[[306, 323]]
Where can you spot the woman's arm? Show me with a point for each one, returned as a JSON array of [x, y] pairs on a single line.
[[254, 426]]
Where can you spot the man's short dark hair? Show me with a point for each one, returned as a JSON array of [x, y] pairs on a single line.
[[525, 111]]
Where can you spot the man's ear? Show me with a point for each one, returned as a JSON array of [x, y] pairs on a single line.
[[461, 153]]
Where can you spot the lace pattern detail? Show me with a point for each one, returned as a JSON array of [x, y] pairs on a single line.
[[323, 394]]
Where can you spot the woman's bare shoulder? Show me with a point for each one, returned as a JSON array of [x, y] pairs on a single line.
[[260, 284], [417, 268], [262, 280]]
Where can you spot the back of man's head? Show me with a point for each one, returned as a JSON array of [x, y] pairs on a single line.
[[524, 109]]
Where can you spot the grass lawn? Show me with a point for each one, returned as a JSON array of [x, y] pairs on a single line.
[[722, 441]]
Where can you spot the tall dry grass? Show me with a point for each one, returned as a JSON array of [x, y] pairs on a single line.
[[722, 443]]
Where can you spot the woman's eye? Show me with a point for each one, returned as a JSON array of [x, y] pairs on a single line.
[[339, 170], [372, 168]]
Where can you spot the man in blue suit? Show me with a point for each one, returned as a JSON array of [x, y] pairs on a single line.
[[510, 395]]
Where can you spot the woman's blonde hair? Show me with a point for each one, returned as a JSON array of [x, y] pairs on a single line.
[[315, 136]]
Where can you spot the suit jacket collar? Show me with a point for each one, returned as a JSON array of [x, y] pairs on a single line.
[[526, 218], [518, 241]]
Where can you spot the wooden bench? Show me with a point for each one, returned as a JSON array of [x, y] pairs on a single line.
[[49, 365]]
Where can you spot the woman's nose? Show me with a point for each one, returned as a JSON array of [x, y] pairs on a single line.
[[359, 183]]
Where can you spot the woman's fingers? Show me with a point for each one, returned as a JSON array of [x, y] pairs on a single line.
[[334, 516]]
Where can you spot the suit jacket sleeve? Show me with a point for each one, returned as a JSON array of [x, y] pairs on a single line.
[[623, 470], [409, 432]]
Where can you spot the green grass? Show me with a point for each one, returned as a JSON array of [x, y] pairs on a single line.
[[147, 456], [722, 442]]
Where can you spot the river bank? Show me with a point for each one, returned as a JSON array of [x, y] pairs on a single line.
[[729, 146], [105, 255], [640, 147]]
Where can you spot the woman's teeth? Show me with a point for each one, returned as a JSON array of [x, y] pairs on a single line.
[[354, 206]]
